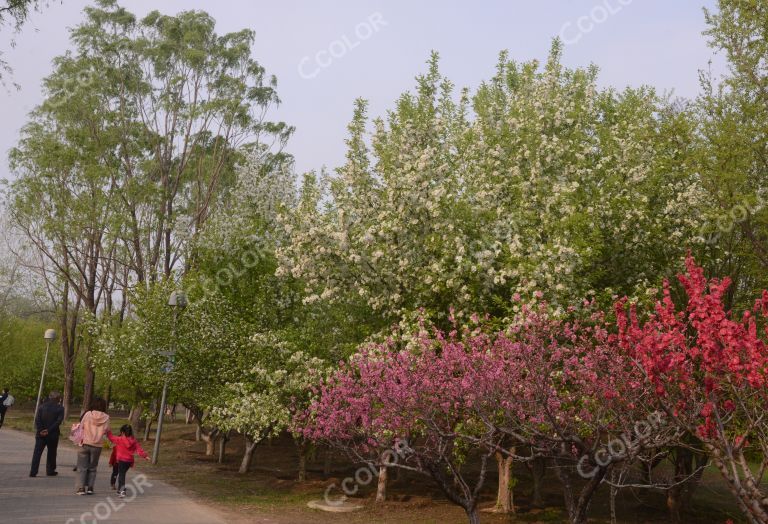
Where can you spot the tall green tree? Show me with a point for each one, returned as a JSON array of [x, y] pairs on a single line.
[[135, 143], [734, 151], [66, 153], [185, 100]]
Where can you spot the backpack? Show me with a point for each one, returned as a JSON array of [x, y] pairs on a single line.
[[8, 402], [76, 434]]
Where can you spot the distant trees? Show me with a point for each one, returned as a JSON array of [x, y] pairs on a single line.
[[24, 316]]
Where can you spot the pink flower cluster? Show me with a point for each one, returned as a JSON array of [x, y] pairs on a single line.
[[542, 381]]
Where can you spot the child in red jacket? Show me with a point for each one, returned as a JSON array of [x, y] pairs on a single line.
[[122, 456]]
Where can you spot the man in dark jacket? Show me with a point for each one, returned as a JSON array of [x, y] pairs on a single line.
[[49, 418], [3, 407]]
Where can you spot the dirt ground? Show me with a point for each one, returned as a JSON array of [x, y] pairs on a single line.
[[271, 489], [270, 493]]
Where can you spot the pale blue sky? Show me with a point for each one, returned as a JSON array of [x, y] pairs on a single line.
[[655, 42]]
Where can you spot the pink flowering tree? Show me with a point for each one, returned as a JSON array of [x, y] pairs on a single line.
[[558, 390], [709, 373], [564, 390], [423, 396]]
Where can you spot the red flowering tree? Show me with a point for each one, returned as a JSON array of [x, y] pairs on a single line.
[[709, 372]]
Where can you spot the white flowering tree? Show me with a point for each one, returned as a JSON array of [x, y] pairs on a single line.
[[128, 355], [236, 255], [538, 180], [207, 334], [265, 387]]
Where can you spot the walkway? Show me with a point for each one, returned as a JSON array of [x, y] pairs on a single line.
[[52, 500]]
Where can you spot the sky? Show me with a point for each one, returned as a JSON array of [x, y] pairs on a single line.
[[327, 53]]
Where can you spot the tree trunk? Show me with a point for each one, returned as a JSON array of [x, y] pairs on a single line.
[[538, 470], [188, 416], [70, 345], [752, 503], [210, 445], [504, 497], [447, 476], [396, 474], [679, 495], [614, 491], [134, 418], [69, 386], [150, 418], [250, 445], [327, 462], [222, 444], [683, 468], [578, 507], [381, 487], [147, 429], [302, 447], [473, 515], [90, 378], [210, 442], [198, 433]]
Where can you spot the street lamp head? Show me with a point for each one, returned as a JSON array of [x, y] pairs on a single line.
[[178, 299], [50, 335]]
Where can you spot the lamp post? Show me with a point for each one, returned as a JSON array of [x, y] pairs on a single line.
[[177, 300], [49, 336]]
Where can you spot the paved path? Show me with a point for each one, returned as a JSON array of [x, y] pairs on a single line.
[[52, 500]]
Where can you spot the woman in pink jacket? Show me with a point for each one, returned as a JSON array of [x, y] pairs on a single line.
[[95, 424]]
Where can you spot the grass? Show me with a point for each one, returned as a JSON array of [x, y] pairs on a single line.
[[270, 492]]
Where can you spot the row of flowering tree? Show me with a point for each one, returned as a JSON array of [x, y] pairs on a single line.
[[593, 395]]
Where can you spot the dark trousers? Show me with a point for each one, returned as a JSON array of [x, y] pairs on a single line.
[[52, 443], [2, 416], [119, 469]]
